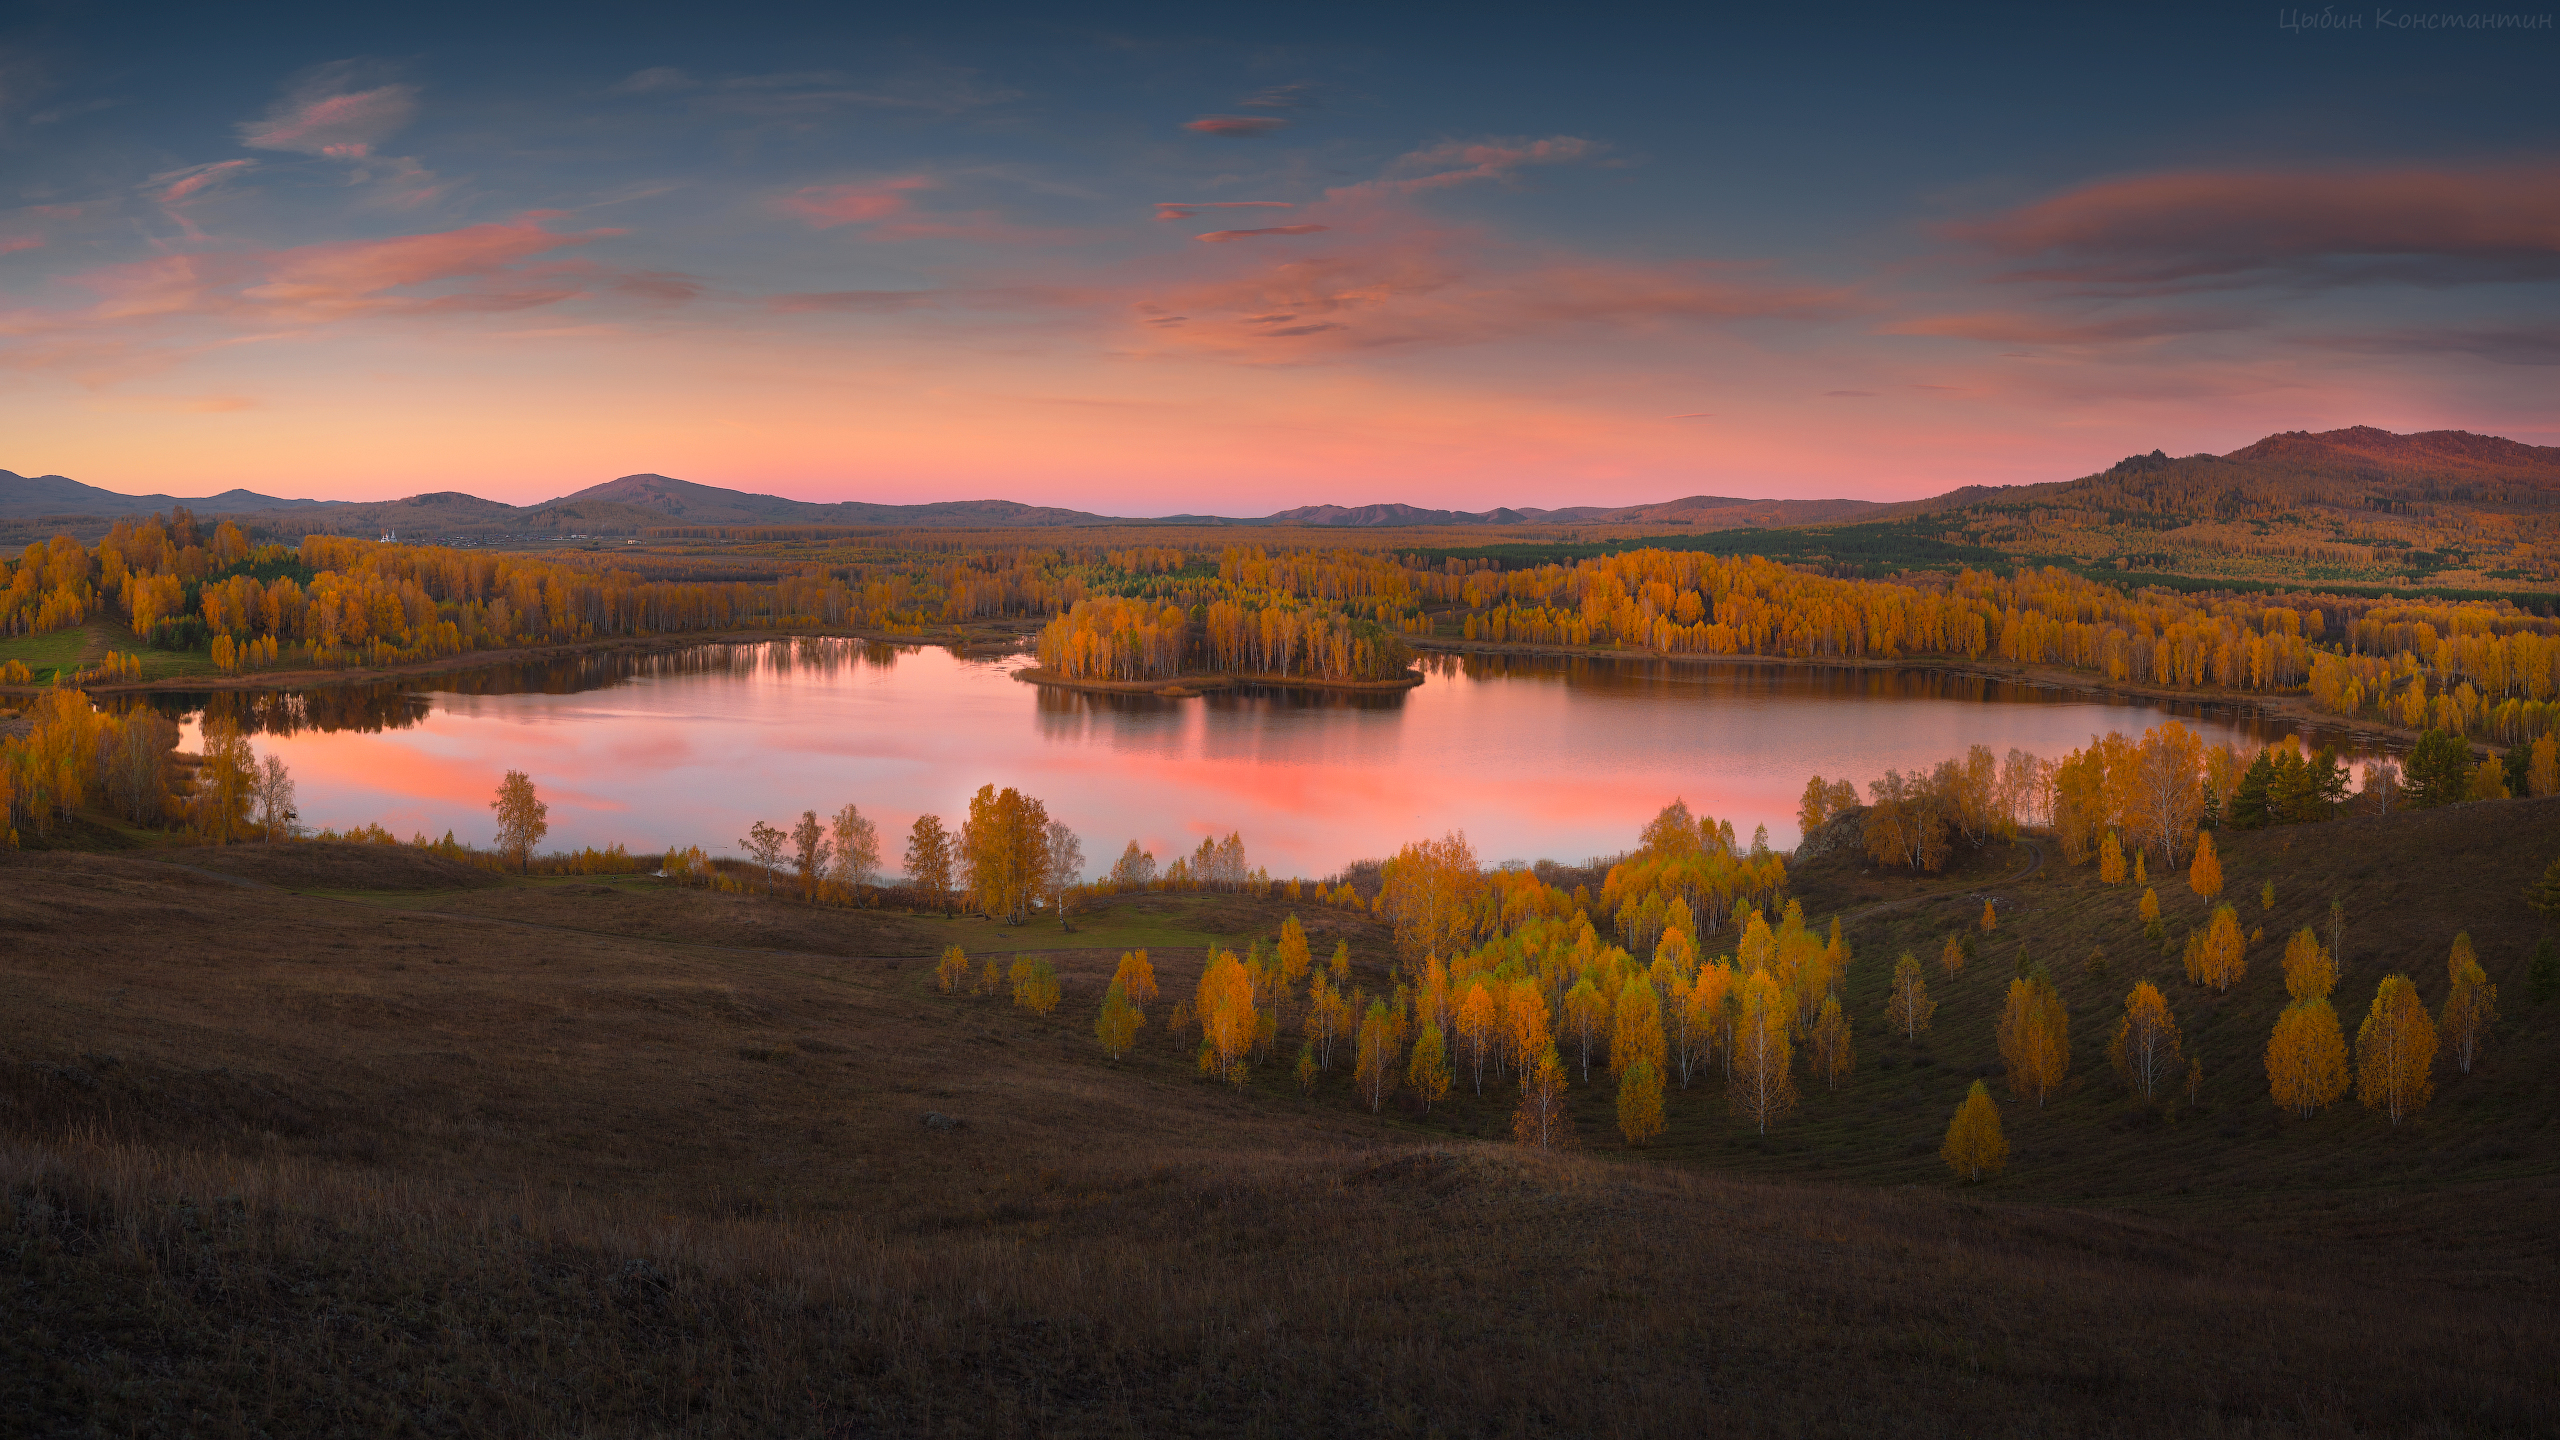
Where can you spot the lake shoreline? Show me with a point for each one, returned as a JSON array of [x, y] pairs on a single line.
[[1188, 686], [2291, 709]]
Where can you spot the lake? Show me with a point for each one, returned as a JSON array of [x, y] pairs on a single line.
[[1531, 757]]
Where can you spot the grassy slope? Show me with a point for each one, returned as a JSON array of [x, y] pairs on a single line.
[[86, 644], [444, 1172]]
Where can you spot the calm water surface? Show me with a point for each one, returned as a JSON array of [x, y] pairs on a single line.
[[1531, 757]]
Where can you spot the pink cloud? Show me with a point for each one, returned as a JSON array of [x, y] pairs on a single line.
[[1236, 127], [1220, 237], [1458, 163], [1420, 290], [326, 114], [867, 302], [12, 244], [2013, 327], [827, 206], [2188, 226], [176, 186], [315, 284], [1184, 210]]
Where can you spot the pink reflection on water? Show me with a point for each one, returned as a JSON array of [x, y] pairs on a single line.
[[1531, 759]]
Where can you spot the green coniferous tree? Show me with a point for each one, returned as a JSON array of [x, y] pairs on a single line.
[[2328, 783], [2289, 794], [2249, 800], [2438, 771]]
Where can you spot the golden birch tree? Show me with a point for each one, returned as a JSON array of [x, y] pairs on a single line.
[[1586, 1019], [1834, 1051], [2470, 1007], [2204, 872], [1374, 1070], [2220, 956], [1136, 977], [1640, 1102], [1763, 1087], [1428, 1073], [1951, 956], [2145, 1049], [2395, 1051], [1117, 1026], [1910, 1008], [952, 972], [1479, 1022], [1035, 985], [2111, 860], [1636, 1031], [2310, 971], [523, 818], [2035, 1038], [1541, 1121], [1974, 1146], [2307, 1057]]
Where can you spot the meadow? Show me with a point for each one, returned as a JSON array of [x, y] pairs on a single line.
[[321, 1137]]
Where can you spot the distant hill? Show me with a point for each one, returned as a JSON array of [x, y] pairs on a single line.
[[2354, 505], [27, 497]]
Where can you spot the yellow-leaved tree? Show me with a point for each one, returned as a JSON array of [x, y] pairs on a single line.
[[523, 819], [1834, 1052], [1294, 959], [1637, 1031], [1117, 1026], [952, 973], [1951, 956], [2111, 860], [1910, 1008], [1375, 1066], [1705, 1004], [1479, 1027], [2220, 956], [2035, 1038], [1990, 918], [2310, 971], [2395, 1051], [1035, 986], [1974, 1146], [1586, 1019], [2204, 873], [1541, 1120], [2307, 1057], [2145, 1049], [1229, 1023], [1640, 1101], [2470, 1007], [1763, 1087], [1428, 1073], [1136, 977]]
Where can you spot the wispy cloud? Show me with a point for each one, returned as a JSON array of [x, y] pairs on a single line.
[[1463, 162], [1186, 209], [1236, 127], [1220, 237], [2185, 229], [330, 112], [827, 206]]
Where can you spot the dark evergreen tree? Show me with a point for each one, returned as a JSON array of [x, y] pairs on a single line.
[[2438, 771], [2249, 804], [2519, 763], [2289, 795], [2328, 783]]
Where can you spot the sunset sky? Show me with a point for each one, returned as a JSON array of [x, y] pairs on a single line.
[[1148, 260]]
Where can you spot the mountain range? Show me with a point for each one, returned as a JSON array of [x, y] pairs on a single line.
[[2336, 466]]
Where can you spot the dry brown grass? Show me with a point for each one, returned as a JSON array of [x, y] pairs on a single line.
[[278, 1164]]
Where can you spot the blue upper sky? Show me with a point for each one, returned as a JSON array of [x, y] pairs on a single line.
[[1453, 255]]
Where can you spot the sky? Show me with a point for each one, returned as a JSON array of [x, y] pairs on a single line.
[[1182, 259]]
